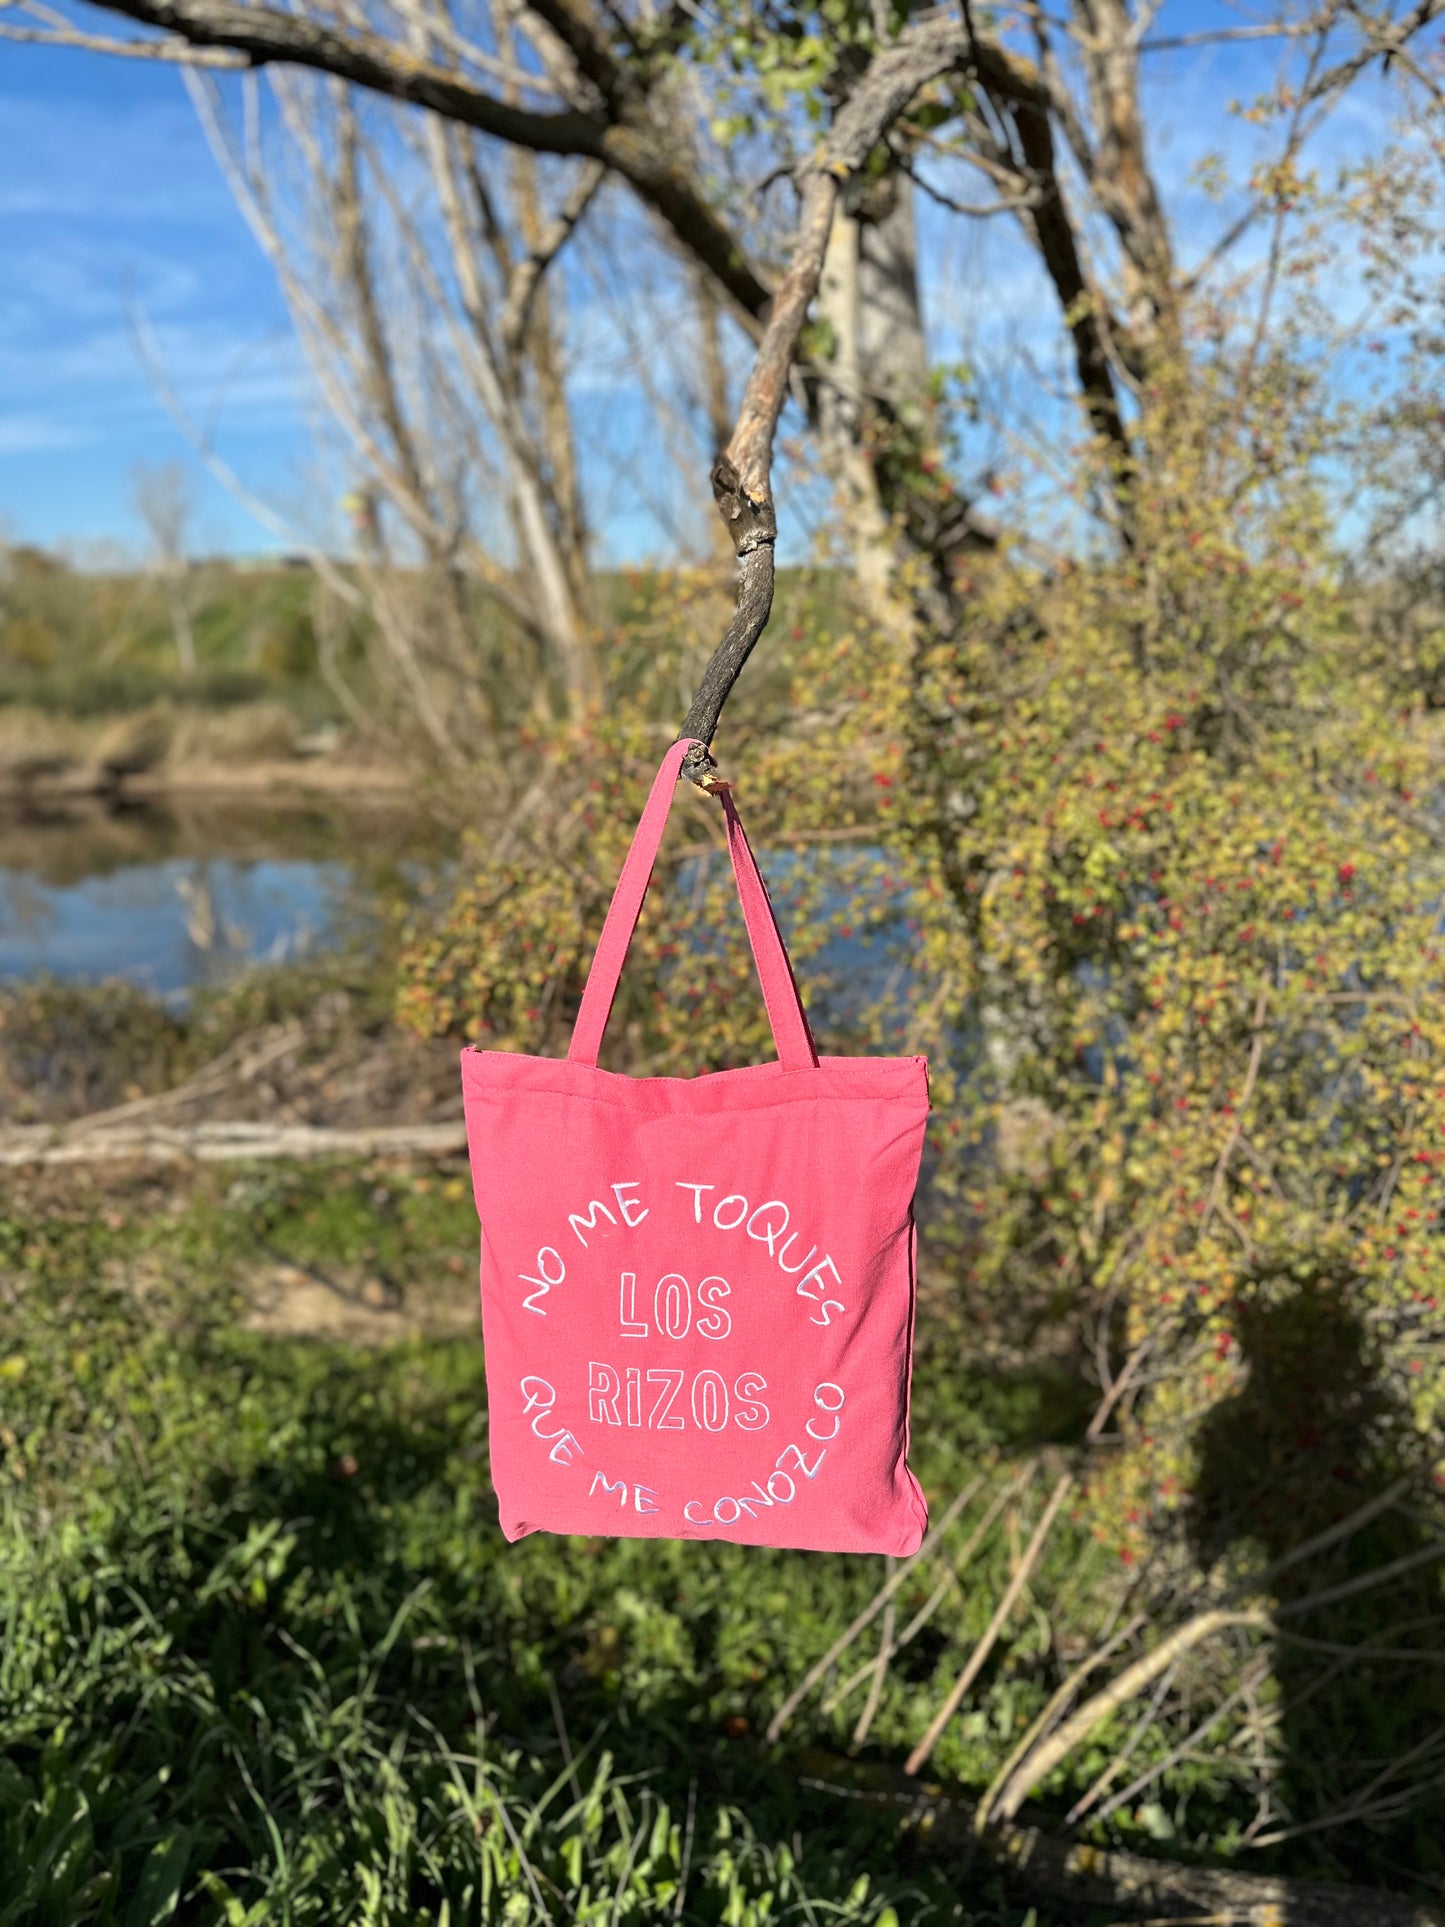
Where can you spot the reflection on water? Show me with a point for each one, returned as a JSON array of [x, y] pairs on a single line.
[[175, 898], [171, 898], [167, 926]]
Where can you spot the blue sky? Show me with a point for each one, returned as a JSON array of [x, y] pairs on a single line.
[[110, 205]]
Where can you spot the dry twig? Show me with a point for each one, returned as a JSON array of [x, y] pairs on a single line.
[[869, 1613], [957, 1566], [976, 1659]]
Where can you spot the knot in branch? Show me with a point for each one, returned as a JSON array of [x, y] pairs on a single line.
[[750, 519]]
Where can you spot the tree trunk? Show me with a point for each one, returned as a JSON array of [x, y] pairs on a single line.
[[892, 351], [874, 413], [540, 347], [845, 420], [1122, 181], [542, 558]]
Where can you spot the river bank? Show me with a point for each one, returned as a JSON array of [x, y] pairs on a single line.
[[177, 887], [248, 749]]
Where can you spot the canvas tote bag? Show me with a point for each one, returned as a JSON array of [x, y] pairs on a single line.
[[697, 1292]]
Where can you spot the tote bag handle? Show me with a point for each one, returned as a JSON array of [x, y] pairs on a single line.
[[780, 990]]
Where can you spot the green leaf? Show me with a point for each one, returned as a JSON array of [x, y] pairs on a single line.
[[158, 1891]]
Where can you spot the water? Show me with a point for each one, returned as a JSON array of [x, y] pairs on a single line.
[[171, 898], [864, 972]]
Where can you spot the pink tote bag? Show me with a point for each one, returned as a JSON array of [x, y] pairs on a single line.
[[698, 1292]]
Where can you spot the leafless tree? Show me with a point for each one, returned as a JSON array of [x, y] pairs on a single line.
[[430, 336], [165, 500], [1045, 107]]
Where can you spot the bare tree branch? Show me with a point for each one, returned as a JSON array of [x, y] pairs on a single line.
[[560, 616], [628, 145], [918, 1758], [431, 22], [266, 34], [1293, 142], [1084, 1876], [1132, 1681], [176, 52], [585, 37], [527, 275], [1219, 36], [1380, 38], [1016, 203], [742, 475], [880, 1599]]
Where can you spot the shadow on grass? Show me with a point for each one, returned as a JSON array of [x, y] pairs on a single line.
[[1314, 1435]]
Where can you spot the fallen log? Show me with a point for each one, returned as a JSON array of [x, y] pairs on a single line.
[[1141, 1885], [81, 1143], [1093, 1877]]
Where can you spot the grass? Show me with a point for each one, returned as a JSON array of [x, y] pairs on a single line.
[[97, 645], [252, 632], [265, 1656]]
